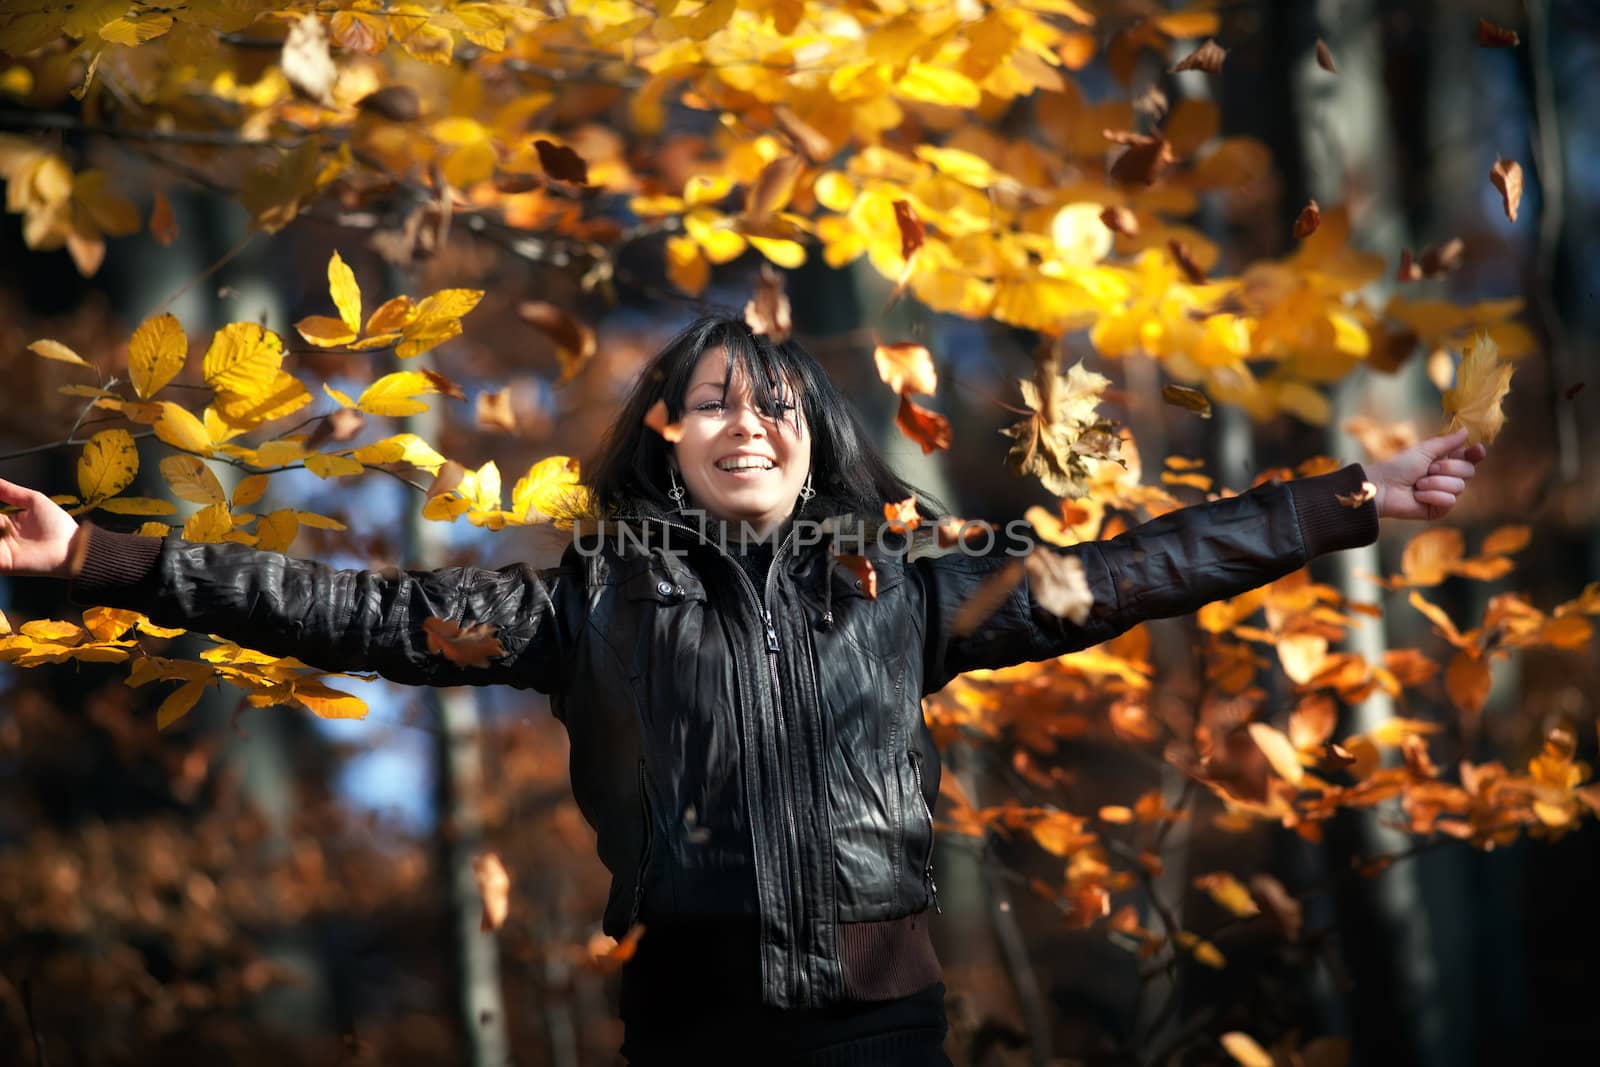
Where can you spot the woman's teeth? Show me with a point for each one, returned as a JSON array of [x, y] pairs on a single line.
[[734, 466]]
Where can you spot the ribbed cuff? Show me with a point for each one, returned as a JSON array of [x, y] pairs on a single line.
[[1325, 523], [113, 564]]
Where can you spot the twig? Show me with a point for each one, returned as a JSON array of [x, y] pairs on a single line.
[[28, 120], [39, 1057]]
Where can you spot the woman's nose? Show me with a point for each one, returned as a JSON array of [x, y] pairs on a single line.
[[747, 422]]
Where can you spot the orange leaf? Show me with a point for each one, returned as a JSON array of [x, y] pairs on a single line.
[[1467, 681], [907, 368], [1506, 176], [866, 574], [470, 646], [1492, 36], [1279, 752], [929, 429], [1306, 223], [768, 310], [1208, 57], [656, 419], [1120, 220], [163, 224], [1430, 555], [494, 886], [911, 230]]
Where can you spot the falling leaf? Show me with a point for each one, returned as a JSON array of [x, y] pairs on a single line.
[[929, 429], [1441, 259], [1119, 219], [767, 312], [1188, 399], [1325, 57], [1244, 1050], [1506, 176], [1380, 440], [163, 223], [57, 351], [866, 576], [561, 163], [773, 187], [1144, 161], [1408, 271], [1467, 681], [911, 232], [444, 386], [493, 410], [1306, 223], [306, 64], [901, 515], [907, 368], [1152, 102], [986, 598], [1192, 271], [1276, 901], [1367, 492], [575, 342], [656, 419], [470, 646], [1208, 57], [494, 886], [951, 531], [1059, 585], [1279, 752], [397, 103], [607, 955], [1492, 36], [1229, 893], [1482, 382]]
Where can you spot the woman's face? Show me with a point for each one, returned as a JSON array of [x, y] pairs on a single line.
[[739, 464]]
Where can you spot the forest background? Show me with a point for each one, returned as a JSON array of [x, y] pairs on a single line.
[[317, 276]]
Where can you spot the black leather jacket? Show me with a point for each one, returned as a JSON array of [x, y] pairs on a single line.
[[737, 750]]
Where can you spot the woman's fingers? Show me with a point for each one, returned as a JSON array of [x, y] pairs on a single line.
[[12, 493], [1435, 498], [1440, 483], [1454, 468]]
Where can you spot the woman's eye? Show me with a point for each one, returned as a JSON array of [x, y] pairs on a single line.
[[709, 405]]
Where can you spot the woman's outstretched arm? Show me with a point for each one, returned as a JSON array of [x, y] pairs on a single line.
[[345, 620], [1187, 558]]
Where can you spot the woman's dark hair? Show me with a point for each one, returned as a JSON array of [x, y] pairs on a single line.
[[629, 472]]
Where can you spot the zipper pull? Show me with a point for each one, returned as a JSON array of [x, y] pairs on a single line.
[[772, 634], [933, 887]]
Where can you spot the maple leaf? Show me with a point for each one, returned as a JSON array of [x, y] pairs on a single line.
[[1506, 176], [465, 646], [1063, 414], [767, 312], [1482, 382]]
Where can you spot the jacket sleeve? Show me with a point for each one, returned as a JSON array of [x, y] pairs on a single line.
[[1169, 566], [342, 620]]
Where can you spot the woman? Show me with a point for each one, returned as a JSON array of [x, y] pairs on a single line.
[[747, 736]]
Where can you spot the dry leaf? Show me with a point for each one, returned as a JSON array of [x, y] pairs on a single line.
[[907, 368], [1059, 585], [470, 646], [1506, 176], [929, 429], [575, 342], [561, 163], [656, 419], [1325, 57], [1482, 382], [1492, 36], [773, 187], [444, 385], [911, 231], [607, 955], [1441, 259], [306, 64], [1208, 57], [163, 224], [1191, 270], [901, 515], [494, 412], [1367, 492], [1152, 102], [1408, 271], [1306, 223], [1189, 399], [1275, 900], [1245, 1050], [1280, 753], [1144, 160], [1467, 681], [494, 886], [397, 103], [767, 312], [986, 599], [1120, 220], [1380, 440]]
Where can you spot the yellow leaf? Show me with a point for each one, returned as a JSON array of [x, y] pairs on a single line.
[[1482, 382], [790, 255], [156, 353], [249, 490], [242, 358], [401, 448], [192, 480], [178, 427], [275, 531], [279, 395], [324, 331], [1279, 752], [329, 703], [179, 703], [1229, 893], [938, 85], [1302, 655], [319, 522], [392, 315], [394, 394], [109, 462], [686, 267], [157, 529], [1505, 540], [438, 319], [210, 524], [1430, 555], [138, 505], [1245, 1051], [108, 624], [547, 489], [326, 465], [56, 350], [345, 292]]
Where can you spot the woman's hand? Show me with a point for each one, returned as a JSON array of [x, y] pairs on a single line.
[[35, 539], [1423, 481]]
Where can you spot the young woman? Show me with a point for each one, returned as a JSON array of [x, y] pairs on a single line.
[[745, 718]]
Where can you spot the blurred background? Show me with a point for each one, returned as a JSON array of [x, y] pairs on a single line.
[[259, 885]]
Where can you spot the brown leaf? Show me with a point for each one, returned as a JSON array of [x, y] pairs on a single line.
[[1492, 36], [305, 61], [1408, 271], [1335, 757], [911, 230], [445, 386], [1188, 399], [1119, 219], [397, 103], [575, 342], [656, 419], [861, 567], [1467, 681], [1191, 270], [1482, 382], [494, 886], [1144, 161], [986, 599], [1059, 585], [448, 476], [767, 312], [163, 224], [470, 646], [1306, 223], [1312, 721], [1506, 176], [811, 140], [773, 187], [561, 163], [907, 368], [1208, 57], [493, 411], [341, 425], [1275, 900], [1367, 492], [929, 429], [950, 531], [901, 515], [1151, 102], [1325, 57], [1441, 259]]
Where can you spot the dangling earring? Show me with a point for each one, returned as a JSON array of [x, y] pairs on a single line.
[[806, 492], [676, 492]]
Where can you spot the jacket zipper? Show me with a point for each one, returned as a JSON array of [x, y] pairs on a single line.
[[927, 870], [649, 844]]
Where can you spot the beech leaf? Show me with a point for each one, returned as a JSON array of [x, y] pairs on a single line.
[[1506, 176]]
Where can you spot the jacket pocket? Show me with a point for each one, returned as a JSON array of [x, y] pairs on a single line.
[[927, 811], [645, 812]]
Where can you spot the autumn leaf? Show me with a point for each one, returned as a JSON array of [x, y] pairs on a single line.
[[192, 480], [607, 955], [1192, 271], [912, 234], [493, 411], [494, 887], [1052, 443], [986, 599], [1367, 492], [1506, 176], [1276, 901], [906, 368], [1325, 57], [397, 103], [305, 60], [929, 429], [57, 351], [470, 646], [561, 163], [1229, 893], [1182, 396], [575, 342], [1059, 585], [767, 312], [163, 223], [1245, 1050], [156, 353], [1482, 382], [1146, 158], [1280, 753], [866, 576], [1208, 57], [1306, 223], [345, 292], [1120, 220], [396, 394], [656, 419], [108, 464], [1491, 36]]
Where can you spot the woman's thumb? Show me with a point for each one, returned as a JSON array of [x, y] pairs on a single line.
[[1444, 444], [12, 493]]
